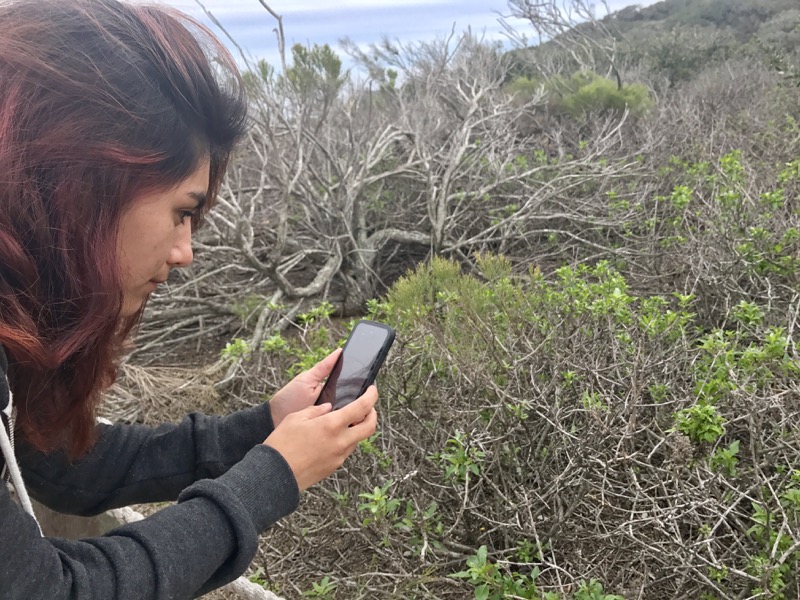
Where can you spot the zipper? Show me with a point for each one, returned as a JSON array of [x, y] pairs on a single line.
[[5, 475]]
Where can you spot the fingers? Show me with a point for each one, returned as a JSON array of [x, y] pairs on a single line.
[[357, 420], [316, 440], [366, 428], [317, 410], [324, 367], [309, 412], [355, 434], [357, 411]]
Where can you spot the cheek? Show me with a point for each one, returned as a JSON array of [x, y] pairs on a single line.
[[154, 249], [142, 251]]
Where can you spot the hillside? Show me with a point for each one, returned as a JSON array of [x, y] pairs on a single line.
[[671, 40], [773, 21]]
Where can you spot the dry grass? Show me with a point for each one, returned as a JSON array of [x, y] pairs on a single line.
[[153, 395]]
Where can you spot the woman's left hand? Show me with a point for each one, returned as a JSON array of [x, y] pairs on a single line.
[[303, 390]]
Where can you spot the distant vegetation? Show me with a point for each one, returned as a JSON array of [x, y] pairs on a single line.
[[591, 252]]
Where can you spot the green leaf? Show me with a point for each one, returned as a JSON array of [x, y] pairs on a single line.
[[482, 592]]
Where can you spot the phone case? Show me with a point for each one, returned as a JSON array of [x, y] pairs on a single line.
[[377, 361]]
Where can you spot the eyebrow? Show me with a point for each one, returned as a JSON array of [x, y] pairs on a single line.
[[200, 197]]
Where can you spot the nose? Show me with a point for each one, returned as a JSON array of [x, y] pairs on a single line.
[[181, 254]]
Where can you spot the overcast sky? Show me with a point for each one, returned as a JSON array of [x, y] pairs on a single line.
[[363, 21]]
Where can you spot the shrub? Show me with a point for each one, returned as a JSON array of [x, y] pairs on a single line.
[[564, 437], [586, 93]]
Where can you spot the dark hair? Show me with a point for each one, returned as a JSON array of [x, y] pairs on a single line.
[[101, 101]]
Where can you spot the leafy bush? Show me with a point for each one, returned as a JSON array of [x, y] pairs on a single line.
[[585, 93], [736, 235], [566, 438], [588, 93]]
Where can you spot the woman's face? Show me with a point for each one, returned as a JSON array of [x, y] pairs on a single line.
[[155, 235]]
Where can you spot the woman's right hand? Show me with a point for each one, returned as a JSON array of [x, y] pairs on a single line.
[[316, 441]]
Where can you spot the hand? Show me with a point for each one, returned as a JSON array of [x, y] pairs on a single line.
[[316, 441], [302, 391]]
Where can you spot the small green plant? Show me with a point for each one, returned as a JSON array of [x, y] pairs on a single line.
[[318, 313], [379, 505], [748, 313], [376, 309], [658, 392], [369, 446], [773, 577], [717, 575], [341, 498], [593, 401], [308, 358], [724, 460], [771, 529], [425, 527], [659, 321], [259, 579], [714, 370], [274, 343], [528, 551], [236, 349], [593, 590], [790, 498], [569, 378], [324, 589], [481, 573], [492, 583], [681, 197], [701, 423], [460, 458]]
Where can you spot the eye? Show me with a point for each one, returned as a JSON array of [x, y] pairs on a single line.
[[185, 214]]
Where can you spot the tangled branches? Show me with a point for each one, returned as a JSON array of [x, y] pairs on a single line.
[[575, 431]]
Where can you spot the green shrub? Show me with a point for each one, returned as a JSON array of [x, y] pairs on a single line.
[[555, 410], [586, 93]]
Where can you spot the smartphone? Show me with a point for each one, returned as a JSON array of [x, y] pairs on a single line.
[[358, 364]]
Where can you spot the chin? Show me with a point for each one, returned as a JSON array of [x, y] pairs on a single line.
[[132, 307]]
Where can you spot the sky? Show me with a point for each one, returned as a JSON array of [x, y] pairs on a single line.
[[363, 21]]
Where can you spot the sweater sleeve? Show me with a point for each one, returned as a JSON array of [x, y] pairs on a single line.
[[133, 464], [204, 541]]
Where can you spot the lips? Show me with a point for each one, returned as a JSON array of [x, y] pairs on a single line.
[[153, 284]]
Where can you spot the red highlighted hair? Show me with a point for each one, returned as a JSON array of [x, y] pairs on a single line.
[[100, 102]]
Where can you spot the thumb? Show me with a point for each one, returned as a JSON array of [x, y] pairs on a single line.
[[324, 367], [317, 410]]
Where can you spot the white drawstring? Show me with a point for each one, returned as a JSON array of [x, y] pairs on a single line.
[[7, 446]]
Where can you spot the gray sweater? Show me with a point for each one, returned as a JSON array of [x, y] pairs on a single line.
[[229, 487]]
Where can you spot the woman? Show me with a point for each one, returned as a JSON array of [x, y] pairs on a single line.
[[116, 125]]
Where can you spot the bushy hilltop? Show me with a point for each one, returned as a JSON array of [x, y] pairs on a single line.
[[773, 21], [671, 40], [682, 36], [591, 254]]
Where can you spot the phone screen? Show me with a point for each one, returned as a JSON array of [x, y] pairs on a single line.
[[357, 365]]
